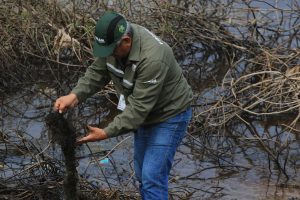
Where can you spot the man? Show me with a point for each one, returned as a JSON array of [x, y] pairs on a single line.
[[153, 95]]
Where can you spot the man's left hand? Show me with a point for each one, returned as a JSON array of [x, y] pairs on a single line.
[[94, 134]]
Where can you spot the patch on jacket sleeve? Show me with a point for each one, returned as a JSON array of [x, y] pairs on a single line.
[[133, 67], [152, 81]]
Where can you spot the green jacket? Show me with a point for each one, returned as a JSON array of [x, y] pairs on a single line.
[[152, 83]]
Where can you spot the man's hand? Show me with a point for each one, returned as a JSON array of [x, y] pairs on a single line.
[[94, 134], [63, 103]]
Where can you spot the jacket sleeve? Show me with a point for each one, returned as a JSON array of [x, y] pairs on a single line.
[[147, 89], [95, 78]]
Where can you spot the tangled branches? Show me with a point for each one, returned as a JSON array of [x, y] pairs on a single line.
[[241, 58]]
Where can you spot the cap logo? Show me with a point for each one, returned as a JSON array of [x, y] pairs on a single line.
[[100, 40], [121, 29]]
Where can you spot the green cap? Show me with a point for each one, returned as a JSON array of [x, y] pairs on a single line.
[[109, 30]]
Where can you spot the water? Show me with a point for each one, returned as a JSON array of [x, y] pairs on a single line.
[[245, 178]]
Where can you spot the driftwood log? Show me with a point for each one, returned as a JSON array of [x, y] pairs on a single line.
[[60, 131]]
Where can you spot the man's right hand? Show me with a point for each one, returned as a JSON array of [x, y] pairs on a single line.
[[62, 104]]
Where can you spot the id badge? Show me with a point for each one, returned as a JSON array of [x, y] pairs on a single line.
[[121, 104]]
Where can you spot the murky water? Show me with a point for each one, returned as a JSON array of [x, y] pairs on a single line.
[[246, 177]]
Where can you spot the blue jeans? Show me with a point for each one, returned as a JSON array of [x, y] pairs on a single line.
[[154, 149]]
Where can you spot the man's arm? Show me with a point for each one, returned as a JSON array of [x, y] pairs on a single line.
[[147, 89], [63, 103], [95, 78]]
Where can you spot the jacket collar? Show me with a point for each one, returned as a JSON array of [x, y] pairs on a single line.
[[134, 55]]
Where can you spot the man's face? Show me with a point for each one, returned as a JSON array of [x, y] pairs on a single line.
[[123, 48]]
